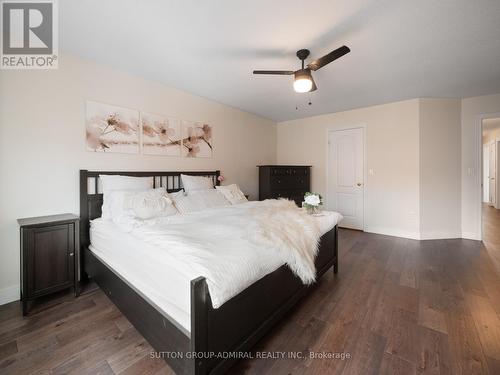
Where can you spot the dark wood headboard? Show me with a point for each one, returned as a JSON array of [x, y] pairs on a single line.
[[91, 196]]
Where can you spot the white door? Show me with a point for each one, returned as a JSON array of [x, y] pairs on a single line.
[[345, 176], [486, 173], [492, 174]]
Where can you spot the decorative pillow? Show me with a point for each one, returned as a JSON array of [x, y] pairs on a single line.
[[198, 200], [151, 204], [148, 204], [192, 183], [117, 182], [232, 193]]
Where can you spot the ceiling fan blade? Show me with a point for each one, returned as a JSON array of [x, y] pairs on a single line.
[[328, 58], [314, 87], [278, 72]]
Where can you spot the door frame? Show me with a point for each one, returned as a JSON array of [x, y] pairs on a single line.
[[493, 143], [479, 168], [485, 183], [365, 176]]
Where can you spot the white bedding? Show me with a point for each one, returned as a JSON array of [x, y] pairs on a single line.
[[160, 257]]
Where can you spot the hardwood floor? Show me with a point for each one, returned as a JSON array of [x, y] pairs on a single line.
[[491, 232], [397, 307]]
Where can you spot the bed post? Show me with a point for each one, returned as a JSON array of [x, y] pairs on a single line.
[[200, 301], [84, 222], [217, 174], [336, 251]]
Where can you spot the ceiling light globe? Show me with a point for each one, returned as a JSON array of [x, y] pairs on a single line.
[[303, 84]]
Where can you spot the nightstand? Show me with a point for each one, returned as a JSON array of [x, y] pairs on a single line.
[[49, 256]]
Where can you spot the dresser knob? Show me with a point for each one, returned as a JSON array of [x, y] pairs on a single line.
[[71, 254]]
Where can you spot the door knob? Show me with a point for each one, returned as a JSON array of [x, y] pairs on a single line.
[[359, 184]]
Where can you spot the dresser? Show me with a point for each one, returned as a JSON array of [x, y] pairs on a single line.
[[284, 181], [49, 256]]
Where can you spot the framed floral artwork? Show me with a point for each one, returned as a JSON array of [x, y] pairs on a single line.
[[197, 140], [161, 135], [111, 128]]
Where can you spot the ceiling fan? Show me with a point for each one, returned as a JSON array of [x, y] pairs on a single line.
[[303, 80]]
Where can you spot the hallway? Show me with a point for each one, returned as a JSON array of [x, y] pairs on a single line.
[[491, 233]]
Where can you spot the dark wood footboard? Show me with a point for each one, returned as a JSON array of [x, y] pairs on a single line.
[[240, 322]]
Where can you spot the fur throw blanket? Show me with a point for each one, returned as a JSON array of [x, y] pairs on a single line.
[[293, 233]]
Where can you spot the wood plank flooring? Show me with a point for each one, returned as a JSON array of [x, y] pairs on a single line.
[[491, 233], [397, 307]]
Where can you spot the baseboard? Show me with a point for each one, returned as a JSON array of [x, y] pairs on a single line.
[[422, 236], [9, 294], [439, 235], [393, 232], [471, 236]]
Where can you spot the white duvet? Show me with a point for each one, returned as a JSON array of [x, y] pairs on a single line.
[[232, 247]]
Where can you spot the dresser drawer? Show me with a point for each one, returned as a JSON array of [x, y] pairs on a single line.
[[294, 195], [290, 171], [289, 181]]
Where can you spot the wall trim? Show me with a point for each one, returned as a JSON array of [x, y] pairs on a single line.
[[393, 232], [9, 294], [471, 236], [478, 151], [437, 235]]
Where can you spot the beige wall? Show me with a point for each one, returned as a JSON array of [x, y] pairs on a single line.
[[42, 142], [392, 146], [440, 177], [472, 110], [413, 149]]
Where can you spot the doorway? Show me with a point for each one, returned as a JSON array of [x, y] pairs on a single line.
[[490, 188], [346, 176]]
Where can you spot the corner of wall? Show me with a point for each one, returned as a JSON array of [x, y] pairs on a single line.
[[9, 294]]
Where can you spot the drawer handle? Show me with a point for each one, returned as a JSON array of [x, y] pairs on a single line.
[[71, 254]]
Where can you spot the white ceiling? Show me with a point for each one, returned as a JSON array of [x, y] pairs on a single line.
[[400, 49]]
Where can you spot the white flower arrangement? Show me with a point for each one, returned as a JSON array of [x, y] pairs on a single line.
[[312, 201]]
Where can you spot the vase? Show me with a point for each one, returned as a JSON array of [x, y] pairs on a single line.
[[313, 210]]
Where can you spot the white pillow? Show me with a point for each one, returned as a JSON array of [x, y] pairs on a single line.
[[117, 182], [130, 204], [232, 193], [192, 183], [115, 200], [198, 200], [151, 204]]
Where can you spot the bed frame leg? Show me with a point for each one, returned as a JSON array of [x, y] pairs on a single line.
[[200, 302]]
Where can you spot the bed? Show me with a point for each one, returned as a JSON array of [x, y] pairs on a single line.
[[203, 340]]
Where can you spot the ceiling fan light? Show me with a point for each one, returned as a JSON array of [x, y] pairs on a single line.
[[303, 81]]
